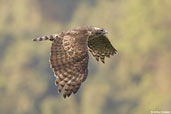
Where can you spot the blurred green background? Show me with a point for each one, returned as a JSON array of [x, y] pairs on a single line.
[[136, 81]]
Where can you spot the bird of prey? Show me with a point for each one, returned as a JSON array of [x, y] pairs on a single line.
[[69, 55]]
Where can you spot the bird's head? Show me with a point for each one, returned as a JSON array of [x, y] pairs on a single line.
[[96, 32]]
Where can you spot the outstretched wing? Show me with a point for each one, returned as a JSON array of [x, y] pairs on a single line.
[[70, 66], [100, 47]]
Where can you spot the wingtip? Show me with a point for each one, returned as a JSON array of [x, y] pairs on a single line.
[[64, 95], [116, 52], [103, 61]]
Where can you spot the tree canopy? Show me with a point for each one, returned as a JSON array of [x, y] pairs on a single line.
[[136, 81]]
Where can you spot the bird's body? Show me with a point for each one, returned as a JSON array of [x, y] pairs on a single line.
[[69, 55]]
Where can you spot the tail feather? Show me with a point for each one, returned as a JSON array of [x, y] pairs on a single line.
[[49, 37]]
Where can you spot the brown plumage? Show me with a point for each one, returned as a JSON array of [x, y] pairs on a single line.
[[69, 55]]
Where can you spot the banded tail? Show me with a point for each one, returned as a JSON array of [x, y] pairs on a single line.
[[49, 37]]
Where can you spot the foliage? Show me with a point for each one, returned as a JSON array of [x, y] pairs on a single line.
[[136, 81]]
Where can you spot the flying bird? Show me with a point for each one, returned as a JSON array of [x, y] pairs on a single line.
[[69, 55]]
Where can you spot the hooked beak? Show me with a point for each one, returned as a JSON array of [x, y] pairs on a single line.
[[105, 32]]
